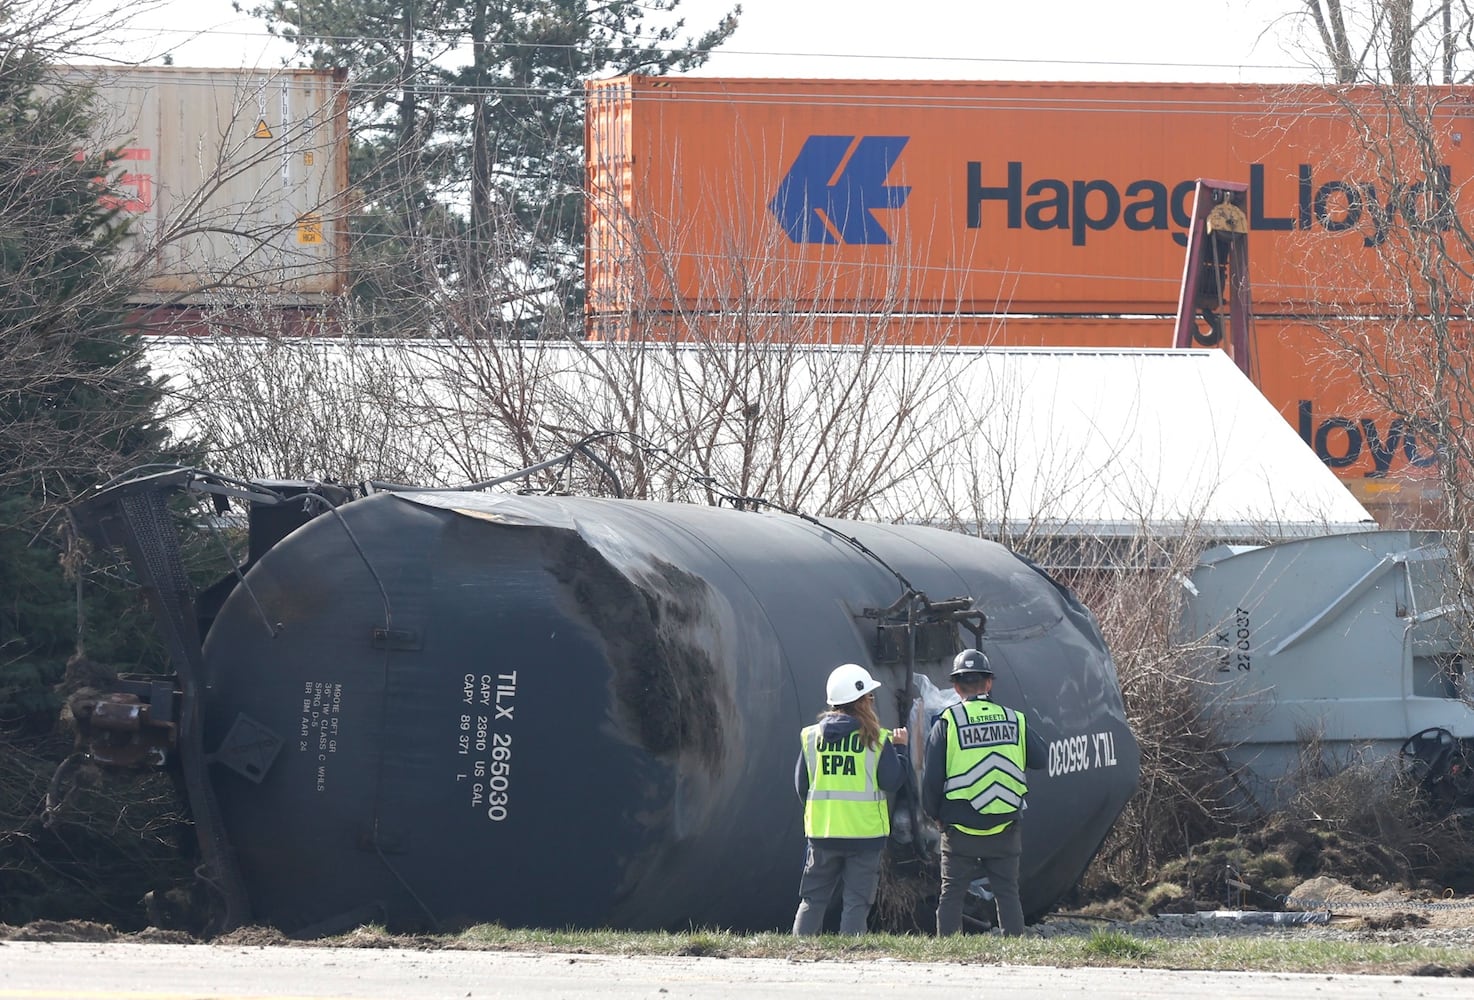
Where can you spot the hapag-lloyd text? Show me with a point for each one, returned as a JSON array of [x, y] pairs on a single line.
[[1340, 441], [1084, 206]]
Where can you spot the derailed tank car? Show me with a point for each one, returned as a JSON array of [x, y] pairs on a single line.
[[433, 708]]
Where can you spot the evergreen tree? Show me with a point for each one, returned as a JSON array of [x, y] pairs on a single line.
[[468, 145], [76, 406]]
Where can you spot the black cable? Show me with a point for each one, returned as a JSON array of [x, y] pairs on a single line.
[[271, 629], [378, 581]]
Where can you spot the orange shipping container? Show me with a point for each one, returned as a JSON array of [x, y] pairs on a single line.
[[861, 195]]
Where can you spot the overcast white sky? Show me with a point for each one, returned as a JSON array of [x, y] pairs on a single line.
[[1186, 40]]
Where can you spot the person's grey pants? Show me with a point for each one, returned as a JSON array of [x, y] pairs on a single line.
[[966, 857], [824, 868]]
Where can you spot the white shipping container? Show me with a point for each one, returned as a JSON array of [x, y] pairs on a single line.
[[237, 179]]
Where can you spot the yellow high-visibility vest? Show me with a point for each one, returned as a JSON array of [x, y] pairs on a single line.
[[985, 762], [844, 798]]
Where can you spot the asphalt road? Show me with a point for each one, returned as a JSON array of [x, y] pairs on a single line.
[[126, 971]]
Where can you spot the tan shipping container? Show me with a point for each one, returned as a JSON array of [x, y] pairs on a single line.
[[236, 180], [983, 197]]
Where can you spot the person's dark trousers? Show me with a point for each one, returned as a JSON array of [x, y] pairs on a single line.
[[966, 857]]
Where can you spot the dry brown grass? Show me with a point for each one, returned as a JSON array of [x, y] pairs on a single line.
[[1185, 793]]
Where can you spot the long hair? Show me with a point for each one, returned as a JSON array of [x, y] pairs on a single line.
[[862, 711]]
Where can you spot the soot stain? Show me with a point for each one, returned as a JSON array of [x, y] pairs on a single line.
[[669, 688]]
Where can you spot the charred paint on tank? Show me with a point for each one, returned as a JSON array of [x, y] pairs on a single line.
[[669, 691]]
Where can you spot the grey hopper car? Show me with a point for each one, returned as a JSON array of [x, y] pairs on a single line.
[[436, 708], [1353, 645]]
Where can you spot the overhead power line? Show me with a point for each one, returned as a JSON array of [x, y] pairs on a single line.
[[308, 41], [809, 94]]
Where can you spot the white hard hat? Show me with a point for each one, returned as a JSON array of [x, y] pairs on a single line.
[[849, 682]]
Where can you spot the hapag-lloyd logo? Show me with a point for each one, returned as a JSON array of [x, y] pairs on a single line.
[[834, 187], [836, 184]]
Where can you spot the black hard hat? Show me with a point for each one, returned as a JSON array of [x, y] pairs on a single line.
[[971, 661]]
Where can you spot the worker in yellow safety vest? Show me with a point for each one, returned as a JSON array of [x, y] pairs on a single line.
[[973, 784], [846, 764]]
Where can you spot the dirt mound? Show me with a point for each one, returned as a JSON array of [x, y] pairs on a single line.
[[1315, 892], [253, 937], [59, 930], [160, 935], [1283, 861]]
